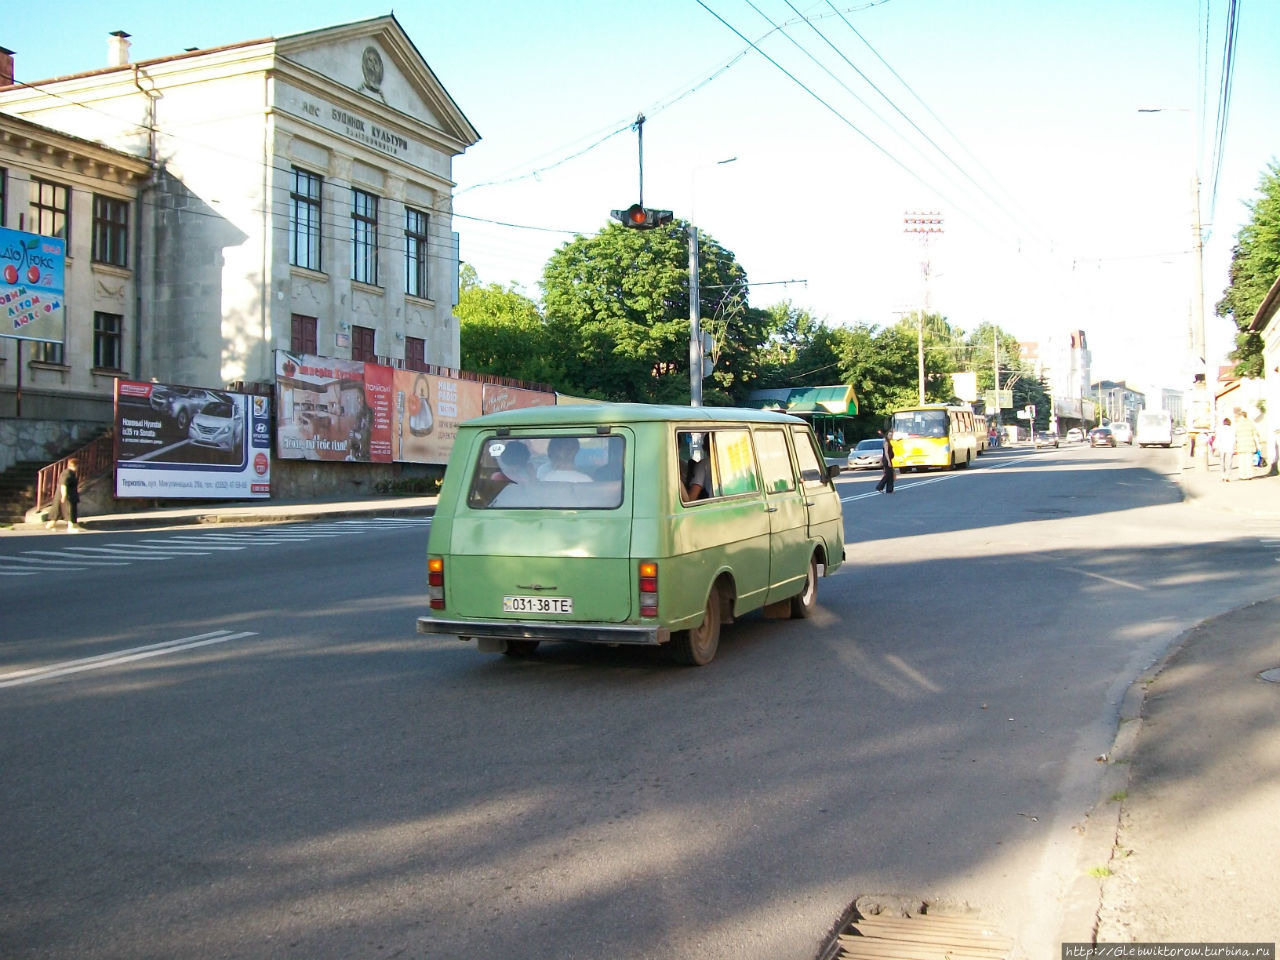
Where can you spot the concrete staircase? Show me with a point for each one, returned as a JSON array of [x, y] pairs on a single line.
[[18, 490]]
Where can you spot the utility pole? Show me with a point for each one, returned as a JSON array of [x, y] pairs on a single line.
[[995, 362], [695, 323], [922, 224]]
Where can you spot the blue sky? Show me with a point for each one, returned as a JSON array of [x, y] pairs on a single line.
[[1064, 207]]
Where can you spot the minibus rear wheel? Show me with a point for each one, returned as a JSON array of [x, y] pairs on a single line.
[[696, 647]]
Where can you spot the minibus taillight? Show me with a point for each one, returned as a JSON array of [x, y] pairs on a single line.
[[435, 583], [648, 589]]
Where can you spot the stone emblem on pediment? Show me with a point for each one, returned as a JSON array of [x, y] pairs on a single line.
[[371, 64]]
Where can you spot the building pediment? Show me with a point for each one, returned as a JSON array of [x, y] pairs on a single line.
[[376, 59]]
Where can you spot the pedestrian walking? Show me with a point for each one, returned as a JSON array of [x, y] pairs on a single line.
[[1224, 443], [1248, 445], [66, 504], [886, 479]]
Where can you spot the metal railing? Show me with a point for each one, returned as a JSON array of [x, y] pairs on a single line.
[[95, 458]]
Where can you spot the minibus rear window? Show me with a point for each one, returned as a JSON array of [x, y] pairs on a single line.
[[559, 472]]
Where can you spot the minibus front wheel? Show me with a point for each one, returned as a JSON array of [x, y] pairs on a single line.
[[696, 647], [802, 603]]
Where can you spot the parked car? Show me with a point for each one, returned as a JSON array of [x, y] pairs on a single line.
[[179, 404], [867, 455], [219, 424], [1102, 437], [1046, 439], [1121, 430], [1075, 435]]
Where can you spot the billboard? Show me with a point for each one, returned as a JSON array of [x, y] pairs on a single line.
[[178, 442], [32, 281], [331, 409]]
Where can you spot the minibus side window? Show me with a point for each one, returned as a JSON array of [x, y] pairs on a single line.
[[775, 461], [813, 471], [735, 462], [696, 475]]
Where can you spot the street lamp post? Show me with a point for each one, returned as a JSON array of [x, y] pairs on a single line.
[[1199, 341]]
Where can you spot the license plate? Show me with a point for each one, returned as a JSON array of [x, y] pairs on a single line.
[[537, 605]]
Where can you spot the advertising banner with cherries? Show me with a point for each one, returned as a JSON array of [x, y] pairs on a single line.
[[177, 442], [330, 409], [32, 277]]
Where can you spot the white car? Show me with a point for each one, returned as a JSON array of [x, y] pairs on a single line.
[[219, 424], [1123, 432], [1075, 435]]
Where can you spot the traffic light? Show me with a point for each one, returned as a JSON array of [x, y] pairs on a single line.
[[641, 218]]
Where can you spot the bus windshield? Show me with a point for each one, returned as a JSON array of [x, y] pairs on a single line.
[[920, 423]]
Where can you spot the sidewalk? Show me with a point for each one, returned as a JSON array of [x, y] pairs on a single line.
[[241, 512], [1189, 853]]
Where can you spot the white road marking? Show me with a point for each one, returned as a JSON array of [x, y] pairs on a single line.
[[121, 656]]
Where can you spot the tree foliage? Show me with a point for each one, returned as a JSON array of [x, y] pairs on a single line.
[[501, 332], [617, 311], [1255, 265], [614, 324]]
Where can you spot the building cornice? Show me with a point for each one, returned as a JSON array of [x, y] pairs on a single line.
[[1266, 309], [43, 146]]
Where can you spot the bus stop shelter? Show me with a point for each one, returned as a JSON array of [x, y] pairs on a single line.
[[829, 409]]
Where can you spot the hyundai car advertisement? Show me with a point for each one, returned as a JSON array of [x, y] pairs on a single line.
[[176, 442]]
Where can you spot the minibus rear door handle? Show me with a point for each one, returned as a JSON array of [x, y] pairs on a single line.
[[770, 509]]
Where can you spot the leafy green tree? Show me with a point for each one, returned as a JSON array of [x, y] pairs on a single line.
[[1255, 264], [501, 332], [617, 310], [799, 350], [982, 351]]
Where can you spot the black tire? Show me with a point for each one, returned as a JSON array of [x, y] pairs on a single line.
[[521, 648], [804, 602], [697, 647], [183, 418]]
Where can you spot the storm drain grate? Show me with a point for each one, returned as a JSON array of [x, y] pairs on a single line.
[[923, 937]]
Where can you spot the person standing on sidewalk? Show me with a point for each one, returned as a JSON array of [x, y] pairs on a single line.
[[1247, 444], [886, 456], [67, 503], [1224, 444]]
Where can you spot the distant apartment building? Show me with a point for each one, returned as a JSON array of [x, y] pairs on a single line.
[[1062, 362], [291, 193], [1171, 400], [1117, 401]]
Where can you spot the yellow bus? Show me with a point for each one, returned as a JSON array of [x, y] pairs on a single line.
[[981, 429], [934, 435]]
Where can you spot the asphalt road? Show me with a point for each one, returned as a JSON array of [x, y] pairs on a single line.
[[264, 759]]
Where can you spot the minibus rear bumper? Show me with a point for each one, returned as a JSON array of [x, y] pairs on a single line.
[[650, 636]]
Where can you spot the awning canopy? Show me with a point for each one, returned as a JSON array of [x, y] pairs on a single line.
[[836, 400]]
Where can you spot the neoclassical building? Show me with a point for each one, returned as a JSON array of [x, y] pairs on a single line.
[[85, 194], [294, 193]]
